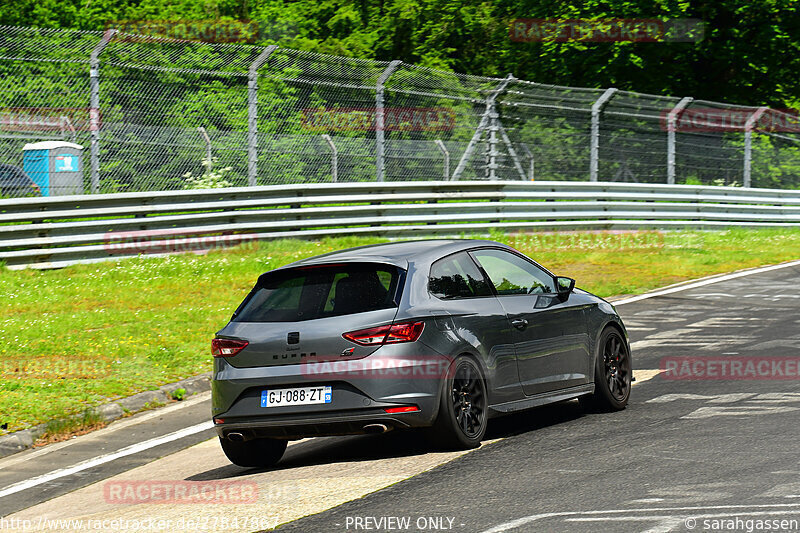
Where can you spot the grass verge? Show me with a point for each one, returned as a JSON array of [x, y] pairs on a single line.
[[64, 428], [78, 337]]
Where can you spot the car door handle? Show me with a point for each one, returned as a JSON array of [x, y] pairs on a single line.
[[519, 323]]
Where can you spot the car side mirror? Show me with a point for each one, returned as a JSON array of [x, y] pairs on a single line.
[[564, 285]]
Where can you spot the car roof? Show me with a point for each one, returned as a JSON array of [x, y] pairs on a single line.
[[399, 253]]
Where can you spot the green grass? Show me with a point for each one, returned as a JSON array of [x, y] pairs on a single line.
[[74, 338], [62, 428]]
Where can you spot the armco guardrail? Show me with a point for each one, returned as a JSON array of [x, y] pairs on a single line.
[[54, 232]]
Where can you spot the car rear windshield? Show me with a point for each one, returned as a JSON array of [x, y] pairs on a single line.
[[320, 291]]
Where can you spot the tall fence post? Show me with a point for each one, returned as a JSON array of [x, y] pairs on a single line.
[[594, 147], [748, 143], [672, 121], [494, 129], [491, 167], [530, 159], [207, 141], [252, 114], [380, 164], [485, 120], [511, 152], [334, 158], [94, 107], [446, 155]]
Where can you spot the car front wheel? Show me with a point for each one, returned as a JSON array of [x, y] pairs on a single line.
[[612, 374]]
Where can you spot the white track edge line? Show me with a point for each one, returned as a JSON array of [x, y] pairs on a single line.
[[703, 283], [102, 459]]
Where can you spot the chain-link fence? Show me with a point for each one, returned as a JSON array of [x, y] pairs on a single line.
[[148, 111]]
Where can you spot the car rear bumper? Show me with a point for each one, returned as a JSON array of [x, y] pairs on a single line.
[[392, 376], [323, 425]]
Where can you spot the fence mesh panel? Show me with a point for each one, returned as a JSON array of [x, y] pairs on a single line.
[[165, 110]]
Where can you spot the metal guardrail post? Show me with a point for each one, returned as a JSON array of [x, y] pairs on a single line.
[[672, 121], [748, 144], [446, 154], [94, 107], [594, 147], [485, 119], [334, 158], [252, 114], [380, 164]]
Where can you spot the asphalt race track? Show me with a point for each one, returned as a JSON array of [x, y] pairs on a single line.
[[710, 445]]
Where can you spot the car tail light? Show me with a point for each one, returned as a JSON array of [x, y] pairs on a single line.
[[390, 334], [404, 409], [227, 347]]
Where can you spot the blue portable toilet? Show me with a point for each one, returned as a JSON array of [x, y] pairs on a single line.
[[55, 166]]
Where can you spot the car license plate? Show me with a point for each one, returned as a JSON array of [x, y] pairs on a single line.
[[296, 396]]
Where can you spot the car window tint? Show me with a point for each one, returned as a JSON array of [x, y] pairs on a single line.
[[385, 277], [457, 276], [332, 293], [511, 274], [307, 293]]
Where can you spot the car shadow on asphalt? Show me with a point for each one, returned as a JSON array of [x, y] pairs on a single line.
[[394, 444], [534, 419]]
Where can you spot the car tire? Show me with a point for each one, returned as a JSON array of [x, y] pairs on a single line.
[[612, 374], [254, 452], [463, 407]]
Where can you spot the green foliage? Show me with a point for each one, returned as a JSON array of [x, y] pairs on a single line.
[[776, 163], [61, 428], [210, 179], [179, 394], [749, 54]]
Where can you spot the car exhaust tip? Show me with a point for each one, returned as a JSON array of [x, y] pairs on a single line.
[[235, 437], [375, 428]]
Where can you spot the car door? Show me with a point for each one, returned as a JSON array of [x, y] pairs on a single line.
[[549, 330], [472, 315]]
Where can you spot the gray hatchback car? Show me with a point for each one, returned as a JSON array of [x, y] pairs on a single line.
[[437, 334]]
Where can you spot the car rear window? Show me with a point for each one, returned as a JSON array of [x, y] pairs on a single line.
[[457, 276], [320, 291]]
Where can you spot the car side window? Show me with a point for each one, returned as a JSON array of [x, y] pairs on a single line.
[[456, 276], [511, 274]]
